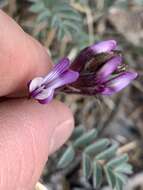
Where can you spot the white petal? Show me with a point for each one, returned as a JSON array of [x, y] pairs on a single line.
[[44, 94], [36, 82]]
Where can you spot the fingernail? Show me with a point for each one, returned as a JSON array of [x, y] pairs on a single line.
[[60, 135]]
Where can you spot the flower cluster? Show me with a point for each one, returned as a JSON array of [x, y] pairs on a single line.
[[98, 69]]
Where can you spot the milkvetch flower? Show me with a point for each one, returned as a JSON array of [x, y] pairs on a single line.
[[98, 69], [102, 70], [43, 88]]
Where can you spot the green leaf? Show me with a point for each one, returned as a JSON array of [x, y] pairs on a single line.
[[97, 175], [71, 16], [119, 184], [52, 3], [108, 3], [78, 131], [118, 161], [67, 157], [64, 8], [122, 177], [61, 33], [43, 15], [37, 7], [107, 154], [72, 26], [94, 148], [86, 166], [85, 139], [120, 181], [110, 177], [55, 22], [124, 168], [59, 15]]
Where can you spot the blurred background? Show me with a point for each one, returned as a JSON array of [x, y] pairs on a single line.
[[66, 26]]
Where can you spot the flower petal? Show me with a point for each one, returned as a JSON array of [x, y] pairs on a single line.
[[48, 99], [118, 83], [35, 83], [45, 94], [108, 68], [66, 78], [104, 46], [89, 52], [82, 58], [58, 69]]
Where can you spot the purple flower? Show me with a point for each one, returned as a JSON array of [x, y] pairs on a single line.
[[98, 69], [89, 52], [43, 88], [101, 70], [118, 83]]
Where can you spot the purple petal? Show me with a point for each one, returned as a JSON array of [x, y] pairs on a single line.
[[108, 68], [118, 83], [104, 46], [48, 99], [82, 58], [45, 94], [89, 52], [35, 83], [59, 68], [66, 78]]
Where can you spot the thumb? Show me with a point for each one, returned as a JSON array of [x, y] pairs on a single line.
[[29, 132]]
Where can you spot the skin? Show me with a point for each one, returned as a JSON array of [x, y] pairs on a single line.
[[29, 131]]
